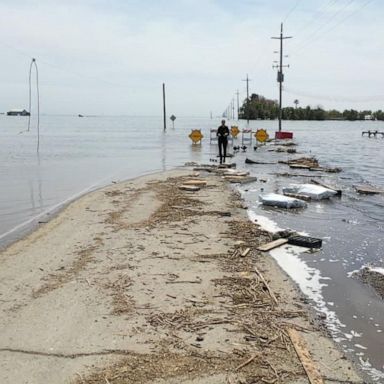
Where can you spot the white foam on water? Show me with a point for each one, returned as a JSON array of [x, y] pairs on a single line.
[[370, 268], [378, 270], [374, 373], [264, 222], [310, 282]]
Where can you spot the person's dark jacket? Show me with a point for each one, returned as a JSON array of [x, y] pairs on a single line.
[[223, 131]]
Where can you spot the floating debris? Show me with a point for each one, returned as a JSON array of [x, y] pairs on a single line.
[[311, 191], [281, 201]]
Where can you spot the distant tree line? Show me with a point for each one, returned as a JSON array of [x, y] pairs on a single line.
[[259, 107]]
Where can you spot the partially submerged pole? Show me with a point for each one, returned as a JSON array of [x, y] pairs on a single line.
[[164, 111]]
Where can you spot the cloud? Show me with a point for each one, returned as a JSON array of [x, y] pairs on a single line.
[[112, 56]]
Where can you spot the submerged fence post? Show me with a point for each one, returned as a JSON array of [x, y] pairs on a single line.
[[164, 112]]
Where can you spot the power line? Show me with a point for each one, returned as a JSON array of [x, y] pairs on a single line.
[[291, 10], [338, 23], [60, 68], [348, 16], [311, 37], [318, 13], [334, 98]]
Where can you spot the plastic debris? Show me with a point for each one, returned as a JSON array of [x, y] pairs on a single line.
[[315, 192], [281, 201]]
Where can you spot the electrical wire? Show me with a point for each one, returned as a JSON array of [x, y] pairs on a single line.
[[311, 39], [334, 98], [317, 15], [291, 10], [348, 16], [341, 21]]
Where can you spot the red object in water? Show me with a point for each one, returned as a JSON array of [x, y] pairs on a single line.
[[283, 135]]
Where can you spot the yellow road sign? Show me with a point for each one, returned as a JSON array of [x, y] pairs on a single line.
[[234, 131], [261, 135], [196, 135]]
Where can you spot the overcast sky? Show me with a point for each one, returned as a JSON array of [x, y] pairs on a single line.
[[111, 57]]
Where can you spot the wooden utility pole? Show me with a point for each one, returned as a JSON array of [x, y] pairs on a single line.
[[247, 80], [280, 75], [164, 111], [237, 94]]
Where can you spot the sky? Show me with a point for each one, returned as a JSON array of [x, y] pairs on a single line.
[[111, 57]]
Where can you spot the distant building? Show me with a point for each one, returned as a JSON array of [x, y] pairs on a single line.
[[18, 112], [369, 117]]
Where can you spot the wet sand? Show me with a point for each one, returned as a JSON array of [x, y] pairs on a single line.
[[141, 282]]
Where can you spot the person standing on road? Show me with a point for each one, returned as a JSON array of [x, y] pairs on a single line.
[[222, 136]]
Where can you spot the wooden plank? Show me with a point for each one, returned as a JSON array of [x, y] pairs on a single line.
[[195, 182], [191, 188], [298, 166], [237, 173], [245, 252], [240, 179], [367, 189], [304, 355], [272, 245], [267, 286]]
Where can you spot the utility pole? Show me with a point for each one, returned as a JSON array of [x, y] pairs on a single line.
[[233, 108], [164, 112], [237, 94], [280, 66], [247, 80]]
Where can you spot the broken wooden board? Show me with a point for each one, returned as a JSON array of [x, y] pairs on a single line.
[[299, 166], [196, 182], [245, 252], [273, 297], [190, 188], [205, 169], [273, 244], [304, 355], [317, 182], [236, 173], [240, 179], [368, 189], [249, 161]]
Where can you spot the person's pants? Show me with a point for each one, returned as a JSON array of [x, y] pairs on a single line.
[[223, 142]]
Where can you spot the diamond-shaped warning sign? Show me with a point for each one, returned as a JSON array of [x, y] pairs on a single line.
[[196, 135], [235, 131], [261, 135]]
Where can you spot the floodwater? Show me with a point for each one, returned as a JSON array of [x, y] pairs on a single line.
[[80, 154]]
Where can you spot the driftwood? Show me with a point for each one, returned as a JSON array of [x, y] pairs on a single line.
[[196, 182], [299, 166], [245, 252], [286, 174], [368, 189], [240, 179], [191, 188], [247, 362], [249, 161], [272, 245], [302, 351], [266, 286]]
